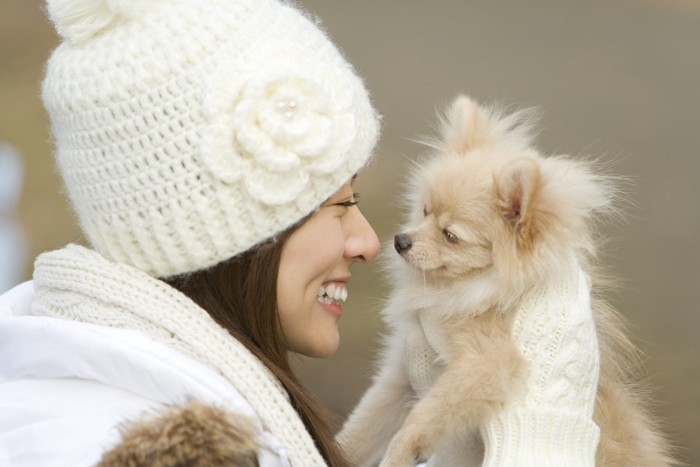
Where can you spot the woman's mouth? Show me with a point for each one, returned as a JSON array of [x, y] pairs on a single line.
[[334, 293]]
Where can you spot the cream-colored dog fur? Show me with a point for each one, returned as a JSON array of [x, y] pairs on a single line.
[[496, 313]]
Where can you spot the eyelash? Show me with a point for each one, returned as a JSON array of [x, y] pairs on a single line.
[[349, 204]]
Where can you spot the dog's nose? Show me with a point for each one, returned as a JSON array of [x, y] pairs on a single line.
[[402, 242]]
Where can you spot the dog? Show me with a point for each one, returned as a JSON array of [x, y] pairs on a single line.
[[490, 218]]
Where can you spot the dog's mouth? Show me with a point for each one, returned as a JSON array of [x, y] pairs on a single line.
[[404, 246], [410, 251]]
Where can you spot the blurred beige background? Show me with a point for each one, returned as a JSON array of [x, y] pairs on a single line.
[[616, 79]]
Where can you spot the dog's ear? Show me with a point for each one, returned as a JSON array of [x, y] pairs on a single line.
[[516, 186], [465, 126]]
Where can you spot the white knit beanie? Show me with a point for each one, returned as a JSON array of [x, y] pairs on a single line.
[[188, 131]]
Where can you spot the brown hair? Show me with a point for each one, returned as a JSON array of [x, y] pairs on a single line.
[[240, 294]]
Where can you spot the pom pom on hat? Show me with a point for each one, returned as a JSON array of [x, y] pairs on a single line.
[[188, 131], [79, 20]]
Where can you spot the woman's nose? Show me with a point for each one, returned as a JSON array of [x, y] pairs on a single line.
[[362, 244]]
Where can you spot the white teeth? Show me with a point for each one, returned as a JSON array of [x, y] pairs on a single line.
[[332, 293]]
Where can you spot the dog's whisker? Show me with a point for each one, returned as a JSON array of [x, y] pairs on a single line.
[[493, 227]]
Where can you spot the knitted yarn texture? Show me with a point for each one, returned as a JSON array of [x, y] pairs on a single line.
[[188, 131], [422, 363], [554, 329], [78, 284], [552, 419], [549, 422]]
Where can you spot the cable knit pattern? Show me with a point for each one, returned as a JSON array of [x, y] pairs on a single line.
[[549, 424], [78, 284], [551, 421], [555, 331], [188, 131]]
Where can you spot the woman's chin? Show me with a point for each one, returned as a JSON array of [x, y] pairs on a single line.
[[318, 347]]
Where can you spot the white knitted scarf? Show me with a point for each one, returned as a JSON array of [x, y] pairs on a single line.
[[78, 284]]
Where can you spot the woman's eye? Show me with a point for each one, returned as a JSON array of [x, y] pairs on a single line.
[[449, 236], [352, 202]]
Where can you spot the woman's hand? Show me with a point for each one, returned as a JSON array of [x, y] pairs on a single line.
[[550, 423]]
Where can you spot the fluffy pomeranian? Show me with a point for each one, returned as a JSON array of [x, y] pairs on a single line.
[[491, 218]]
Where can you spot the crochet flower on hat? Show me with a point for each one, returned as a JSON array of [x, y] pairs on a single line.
[[270, 129]]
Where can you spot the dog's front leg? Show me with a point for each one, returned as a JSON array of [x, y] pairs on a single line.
[[381, 411], [477, 382]]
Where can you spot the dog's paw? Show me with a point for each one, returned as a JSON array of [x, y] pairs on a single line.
[[398, 461], [403, 451]]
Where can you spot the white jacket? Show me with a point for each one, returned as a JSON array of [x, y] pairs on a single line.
[[67, 383]]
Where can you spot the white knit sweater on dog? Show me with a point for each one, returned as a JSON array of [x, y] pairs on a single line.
[[549, 424]]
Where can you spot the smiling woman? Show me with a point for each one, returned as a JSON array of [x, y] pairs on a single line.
[[209, 151], [285, 295], [315, 271]]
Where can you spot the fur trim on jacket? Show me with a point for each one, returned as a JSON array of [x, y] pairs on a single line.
[[192, 434]]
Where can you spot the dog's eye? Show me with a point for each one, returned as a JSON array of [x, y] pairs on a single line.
[[425, 211], [449, 236]]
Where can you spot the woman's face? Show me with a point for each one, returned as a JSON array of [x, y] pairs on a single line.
[[314, 273]]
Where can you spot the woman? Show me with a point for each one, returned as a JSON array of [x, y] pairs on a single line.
[[209, 150]]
